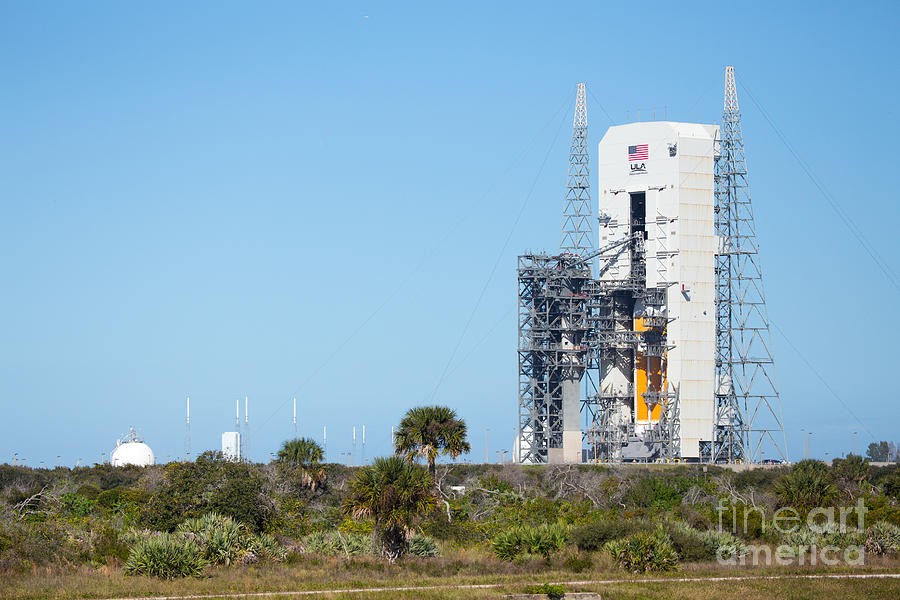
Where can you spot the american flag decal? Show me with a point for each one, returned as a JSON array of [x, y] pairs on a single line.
[[638, 152]]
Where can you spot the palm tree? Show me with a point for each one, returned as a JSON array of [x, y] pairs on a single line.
[[429, 431], [395, 494], [304, 455], [300, 451]]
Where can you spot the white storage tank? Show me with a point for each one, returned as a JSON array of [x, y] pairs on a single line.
[[131, 451]]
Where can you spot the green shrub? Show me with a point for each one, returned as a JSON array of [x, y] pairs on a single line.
[[694, 546], [803, 537], [593, 536], [109, 499], [658, 492], [809, 484], [554, 591], [421, 545], [545, 539], [210, 484], [224, 545], [76, 505], [357, 543], [578, 562], [320, 542], [644, 552], [891, 485], [26, 544], [166, 556], [723, 544], [334, 543], [689, 543], [267, 547], [88, 491], [507, 545], [847, 537], [107, 543], [883, 538], [225, 541]]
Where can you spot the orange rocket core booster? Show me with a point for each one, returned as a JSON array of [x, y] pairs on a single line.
[[649, 375]]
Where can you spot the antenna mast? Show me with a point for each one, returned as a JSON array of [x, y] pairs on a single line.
[[576, 236], [748, 405], [246, 437], [187, 432]]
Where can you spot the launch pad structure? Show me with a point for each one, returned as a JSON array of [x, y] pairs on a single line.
[[655, 347]]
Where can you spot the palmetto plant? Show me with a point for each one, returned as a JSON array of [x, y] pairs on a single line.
[[644, 552], [429, 431], [883, 538], [166, 556], [223, 539], [395, 495], [544, 540], [809, 484]]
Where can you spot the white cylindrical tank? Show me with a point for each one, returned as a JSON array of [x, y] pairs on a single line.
[[132, 451]]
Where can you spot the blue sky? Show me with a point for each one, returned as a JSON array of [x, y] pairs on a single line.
[[272, 199]]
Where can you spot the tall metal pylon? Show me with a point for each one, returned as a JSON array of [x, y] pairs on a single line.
[[577, 229], [748, 405], [553, 320]]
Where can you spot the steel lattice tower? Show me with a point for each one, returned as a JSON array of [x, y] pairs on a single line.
[[553, 320], [748, 405], [576, 236]]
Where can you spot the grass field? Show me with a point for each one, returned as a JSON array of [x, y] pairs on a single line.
[[443, 573]]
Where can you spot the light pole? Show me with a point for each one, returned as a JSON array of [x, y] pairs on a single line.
[[803, 434], [854, 443], [809, 446], [15, 459]]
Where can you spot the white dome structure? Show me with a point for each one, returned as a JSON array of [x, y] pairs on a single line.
[[132, 451]]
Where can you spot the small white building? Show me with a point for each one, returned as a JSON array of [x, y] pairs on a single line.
[[231, 445], [131, 451]]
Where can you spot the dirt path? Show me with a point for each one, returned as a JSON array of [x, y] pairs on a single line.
[[477, 586]]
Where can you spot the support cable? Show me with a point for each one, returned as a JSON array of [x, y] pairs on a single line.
[[822, 379], [602, 108], [500, 254], [426, 259], [851, 226]]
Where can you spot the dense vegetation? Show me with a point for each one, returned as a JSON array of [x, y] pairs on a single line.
[[181, 519]]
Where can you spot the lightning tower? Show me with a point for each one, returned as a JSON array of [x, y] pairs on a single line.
[[553, 320], [577, 232], [748, 405]]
